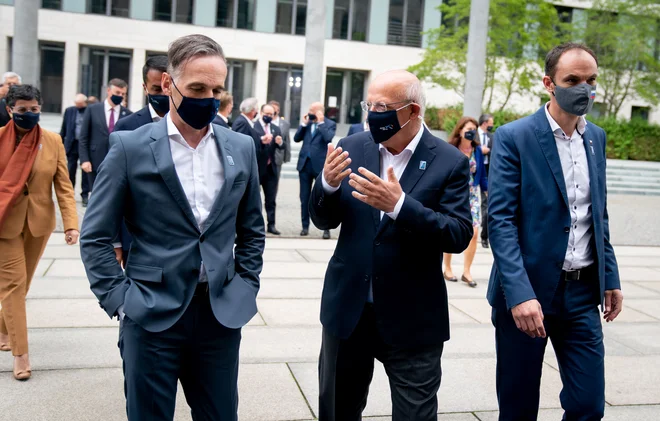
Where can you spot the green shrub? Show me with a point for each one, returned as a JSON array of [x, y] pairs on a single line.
[[635, 140], [446, 118]]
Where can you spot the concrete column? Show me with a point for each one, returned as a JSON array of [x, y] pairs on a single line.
[[135, 91], [260, 82], [265, 16], [205, 12], [142, 9], [4, 55], [314, 69], [25, 50], [70, 82], [432, 18], [329, 18], [74, 6], [475, 71], [379, 15]]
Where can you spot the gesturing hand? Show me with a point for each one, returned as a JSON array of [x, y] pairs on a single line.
[[376, 192], [613, 304], [529, 318], [266, 139], [320, 118], [71, 237], [278, 140], [335, 168]]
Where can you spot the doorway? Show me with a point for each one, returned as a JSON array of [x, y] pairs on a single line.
[[285, 87], [344, 89]]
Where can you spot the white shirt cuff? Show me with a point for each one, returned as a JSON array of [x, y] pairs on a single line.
[[116, 245], [397, 208], [120, 312], [327, 188]]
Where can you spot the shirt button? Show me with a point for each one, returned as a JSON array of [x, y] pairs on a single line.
[[574, 207]]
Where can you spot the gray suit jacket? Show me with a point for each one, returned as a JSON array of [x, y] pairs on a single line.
[[138, 181], [284, 154]]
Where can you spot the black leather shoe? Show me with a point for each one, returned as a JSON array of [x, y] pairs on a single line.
[[326, 234], [273, 231], [85, 200], [484, 244], [304, 232]]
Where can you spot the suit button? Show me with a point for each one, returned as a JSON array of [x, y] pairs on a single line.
[[567, 229], [201, 239], [366, 278], [378, 243]]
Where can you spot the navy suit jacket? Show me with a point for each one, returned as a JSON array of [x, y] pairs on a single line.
[[68, 130], [355, 128], [265, 152], [138, 181], [528, 216], [220, 122], [480, 177], [93, 143], [135, 120], [402, 259], [315, 147]]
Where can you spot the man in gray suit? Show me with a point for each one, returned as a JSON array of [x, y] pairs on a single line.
[[189, 193], [282, 155]]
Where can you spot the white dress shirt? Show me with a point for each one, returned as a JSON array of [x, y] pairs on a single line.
[[109, 107], [575, 168], [387, 159], [485, 141], [265, 126], [154, 115], [249, 120]]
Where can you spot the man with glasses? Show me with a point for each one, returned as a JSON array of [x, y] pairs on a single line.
[[383, 295], [9, 79], [315, 133]]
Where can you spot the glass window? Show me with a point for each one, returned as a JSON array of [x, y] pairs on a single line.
[[640, 113], [163, 10], [180, 11], [99, 7], [245, 11], [240, 82], [99, 65], [291, 17], [405, 23], [301, 17], [341, 19], [52, 4], [237, 14], [225, 15], [360, 14], [350, 20], [285, 87], [184, 11], [120, 8], [51, 76]]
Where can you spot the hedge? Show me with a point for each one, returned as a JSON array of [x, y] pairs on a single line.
[[634, 140]]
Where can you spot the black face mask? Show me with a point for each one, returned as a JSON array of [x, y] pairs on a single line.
[[312, 117], [385, 124], [160, 103], [267, 119], [470, 135], [196, 112], [26, 121], [116, 99], [490, 128]]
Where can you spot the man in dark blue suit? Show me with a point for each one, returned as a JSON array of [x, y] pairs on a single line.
[[70, 132], [157, 106], [383, 295], [189, 192], [549, 231], [316, 133], [358, 128]]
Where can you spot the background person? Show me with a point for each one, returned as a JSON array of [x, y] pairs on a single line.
[[70, 133]]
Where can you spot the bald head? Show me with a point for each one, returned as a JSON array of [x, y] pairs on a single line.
[[397, 86], [315, 107], [80, 101]]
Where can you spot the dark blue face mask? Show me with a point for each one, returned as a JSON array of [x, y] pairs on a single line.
[[116, 99], [26, 121], [196, 112], [385, 124], [161, 103], [267, 119], [470, 134]]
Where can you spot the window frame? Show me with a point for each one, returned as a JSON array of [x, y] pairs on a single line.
[[404, 25], [173, 14], [234, 17], [351, 21]]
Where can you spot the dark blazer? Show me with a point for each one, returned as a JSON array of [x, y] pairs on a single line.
[[528, 216], [93, 143], [480, 177], [135, 120], [138, 181], [402, 258], [220, 122], [4, 115], [241, 125], [265, 152], [283, 154], [315, 147], [355, 128], [68, 130]]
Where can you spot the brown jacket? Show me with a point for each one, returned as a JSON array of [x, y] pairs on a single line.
[[36, 203]]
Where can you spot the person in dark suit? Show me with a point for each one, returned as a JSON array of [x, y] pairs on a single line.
[[244, 123], [70, 133], [99, 121], [485, 139], [270, 141], [316, 133], [549, 232], [358, 128], [198, 237], [9, 79], [283, 154], [158, 105], [226, 105], [405, 204]]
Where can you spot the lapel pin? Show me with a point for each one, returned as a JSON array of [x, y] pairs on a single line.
[[230, 159], [591, 146], [422, 165], [40, 146]]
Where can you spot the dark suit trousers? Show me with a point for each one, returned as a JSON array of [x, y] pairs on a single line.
[[574, 328], [197, 350], [269, 182], [346, 369], [91, 176], [72, 163], [307, 176], [484, 212]]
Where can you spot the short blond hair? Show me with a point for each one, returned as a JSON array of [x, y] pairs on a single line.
[[225, 99]]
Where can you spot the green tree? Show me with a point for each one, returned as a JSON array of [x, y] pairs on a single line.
[[518, 30], [625, 34]]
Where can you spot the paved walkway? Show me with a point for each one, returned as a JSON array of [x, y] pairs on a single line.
[[77, 369]]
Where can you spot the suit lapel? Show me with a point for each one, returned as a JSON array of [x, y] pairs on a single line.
[[546, 139], [163, 156], [224, 148], [102, 120], [593, 176], [372, 163]]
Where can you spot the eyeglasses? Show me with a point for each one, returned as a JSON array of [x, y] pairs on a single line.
[[22, 110], [380, 107]]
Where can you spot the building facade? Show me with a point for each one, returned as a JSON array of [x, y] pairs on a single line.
[[84, 43]]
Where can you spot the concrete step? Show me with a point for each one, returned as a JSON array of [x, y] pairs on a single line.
[[635, 185]]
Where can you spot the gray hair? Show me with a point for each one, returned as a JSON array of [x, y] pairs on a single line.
[[415, 92], [184, 49], [10, 75], [248, 105]]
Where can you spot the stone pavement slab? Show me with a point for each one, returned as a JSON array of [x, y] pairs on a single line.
[[66, 268], [294, 270], [290, 288], [290, 312], [60, 287], [476, 308], [638, 290], [618, 413], [649, 307], [652, 286]]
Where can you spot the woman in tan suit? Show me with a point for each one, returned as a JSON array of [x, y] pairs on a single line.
[[31, 161]]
